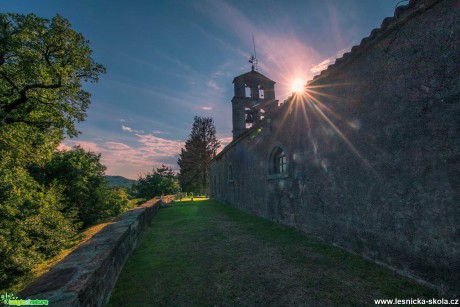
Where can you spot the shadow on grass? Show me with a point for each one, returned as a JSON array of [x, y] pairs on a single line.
[[207, 253]]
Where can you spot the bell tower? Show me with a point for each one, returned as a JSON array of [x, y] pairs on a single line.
[[253, 100]]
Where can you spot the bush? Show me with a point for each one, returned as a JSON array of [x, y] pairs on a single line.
[[43, 206], [161, 181], [85, 187], [33, 225], [119, 201]]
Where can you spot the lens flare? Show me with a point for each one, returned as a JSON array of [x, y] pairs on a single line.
[[298, 86]]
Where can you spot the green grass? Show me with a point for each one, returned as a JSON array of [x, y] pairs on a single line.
[[188, 200], [206, 253]]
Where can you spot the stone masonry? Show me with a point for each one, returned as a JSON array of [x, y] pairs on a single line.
[[369, 157], [87, 276]]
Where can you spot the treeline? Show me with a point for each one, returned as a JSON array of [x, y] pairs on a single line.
[[45, 205], [160, 181], [46, 196]]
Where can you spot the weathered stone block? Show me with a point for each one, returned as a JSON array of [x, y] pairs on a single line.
[[87, 276]]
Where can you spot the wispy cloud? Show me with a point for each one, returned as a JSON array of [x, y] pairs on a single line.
[[225, 141], [329, 61], [226, 45], [214, 85], [158, 147], [130, 161], [207, 108], [205, 91], [282, 56], [145, 152], [115, 145], [125, 128], [129, 129]]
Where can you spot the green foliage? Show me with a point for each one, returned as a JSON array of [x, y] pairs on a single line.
[[118, 201], [26, 145], [44, 196], [194, 160], [85, 188], [42, 65], [33, 225], [160, 181], [43, 206]]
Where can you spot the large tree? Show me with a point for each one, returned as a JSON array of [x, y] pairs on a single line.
[[42, 65], [200, 147]]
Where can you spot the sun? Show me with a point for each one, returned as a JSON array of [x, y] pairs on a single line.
[[298, 86]]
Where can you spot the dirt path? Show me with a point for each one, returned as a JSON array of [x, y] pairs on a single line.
[[207, 254]]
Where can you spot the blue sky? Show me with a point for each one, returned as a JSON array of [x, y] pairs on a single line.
[[168, 61]]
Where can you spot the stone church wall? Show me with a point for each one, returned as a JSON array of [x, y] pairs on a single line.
[[373, 150]]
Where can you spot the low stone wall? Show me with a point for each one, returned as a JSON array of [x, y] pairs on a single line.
[[87, 276]]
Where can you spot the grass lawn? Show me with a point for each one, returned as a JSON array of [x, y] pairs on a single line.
[[206, 253]]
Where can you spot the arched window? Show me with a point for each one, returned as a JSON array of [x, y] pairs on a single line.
[[278, 163], [230, 173]]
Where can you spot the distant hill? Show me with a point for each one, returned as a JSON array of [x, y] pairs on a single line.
[[119, 182]]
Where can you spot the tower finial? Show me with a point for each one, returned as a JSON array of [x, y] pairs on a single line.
[[253, 59]]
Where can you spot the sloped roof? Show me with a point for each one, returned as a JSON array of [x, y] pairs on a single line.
[[253, 75]]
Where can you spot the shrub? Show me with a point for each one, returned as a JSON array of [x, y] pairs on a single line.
[[33, 225], [161, 181], [85, 188]]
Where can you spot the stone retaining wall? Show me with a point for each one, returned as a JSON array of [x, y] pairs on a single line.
[[87, 276]]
